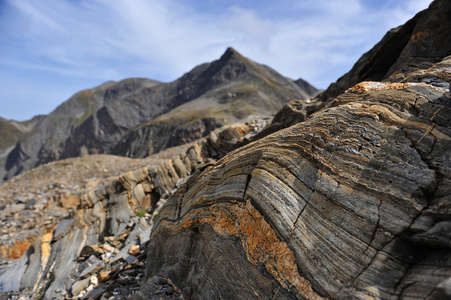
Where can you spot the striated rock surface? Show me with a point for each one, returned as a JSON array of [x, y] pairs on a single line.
[[108, 234], [351, 203]]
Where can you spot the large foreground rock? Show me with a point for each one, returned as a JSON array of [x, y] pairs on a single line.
[[351, 203]]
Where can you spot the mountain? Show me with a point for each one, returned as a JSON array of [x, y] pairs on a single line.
[[137, 117], [351, 202]]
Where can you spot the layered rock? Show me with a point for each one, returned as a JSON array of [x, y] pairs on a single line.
[[56, 264], [351, 203]]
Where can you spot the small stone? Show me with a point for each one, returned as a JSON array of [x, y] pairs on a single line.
[[109, 248], [21, 200], [129, 272], [30, 203], [94, 280], [159, 280], [130, 259], [134, 250], [89, 250], [80, 285], [122, 281], [169, 290], [106, 256], [103, 276]]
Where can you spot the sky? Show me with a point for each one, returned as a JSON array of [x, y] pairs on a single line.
[[51, 49]]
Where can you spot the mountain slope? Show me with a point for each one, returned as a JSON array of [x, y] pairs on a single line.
[[99, 120]]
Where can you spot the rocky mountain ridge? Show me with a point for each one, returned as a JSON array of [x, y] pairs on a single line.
[[124, 118]]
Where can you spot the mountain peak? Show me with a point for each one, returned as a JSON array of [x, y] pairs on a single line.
[[231, 53], [231, 50]]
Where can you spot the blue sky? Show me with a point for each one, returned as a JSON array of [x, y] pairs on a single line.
[[50, 49]]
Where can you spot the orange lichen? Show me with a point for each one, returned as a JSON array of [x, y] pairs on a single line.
[[369, 86], [258, 239], [418, 36], [17, 249]]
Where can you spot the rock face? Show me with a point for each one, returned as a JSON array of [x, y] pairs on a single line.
[[421, 42], [128, 117], [65, 259], [352, 201]]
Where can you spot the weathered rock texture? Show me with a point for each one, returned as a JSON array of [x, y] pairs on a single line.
[[55, 266], [352, 203], [130, 117]]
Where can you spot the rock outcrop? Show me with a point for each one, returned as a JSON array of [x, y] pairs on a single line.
[[351, 203], [421, 42], [128, 118], [115, 217]]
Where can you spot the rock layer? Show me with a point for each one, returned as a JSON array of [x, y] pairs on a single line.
[[55, 266], [351, 203]]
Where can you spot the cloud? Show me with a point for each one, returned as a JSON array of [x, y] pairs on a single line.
[[318, 40]]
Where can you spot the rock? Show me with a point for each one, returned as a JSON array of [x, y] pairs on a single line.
[[134, 250], [109, 248], [21, 200], [292, 113], [89, 250], [69, 200], [79, 286], [96, 293], [159, 280], [103, 276], [130, 259], [325, 208], [89, 267], [402, 50], [350, 202], [30, 203]]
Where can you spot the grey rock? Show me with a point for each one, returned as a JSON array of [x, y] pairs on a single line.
[[90, 267], [96, 293], [79, 286], [159, 280], [402, 50]]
